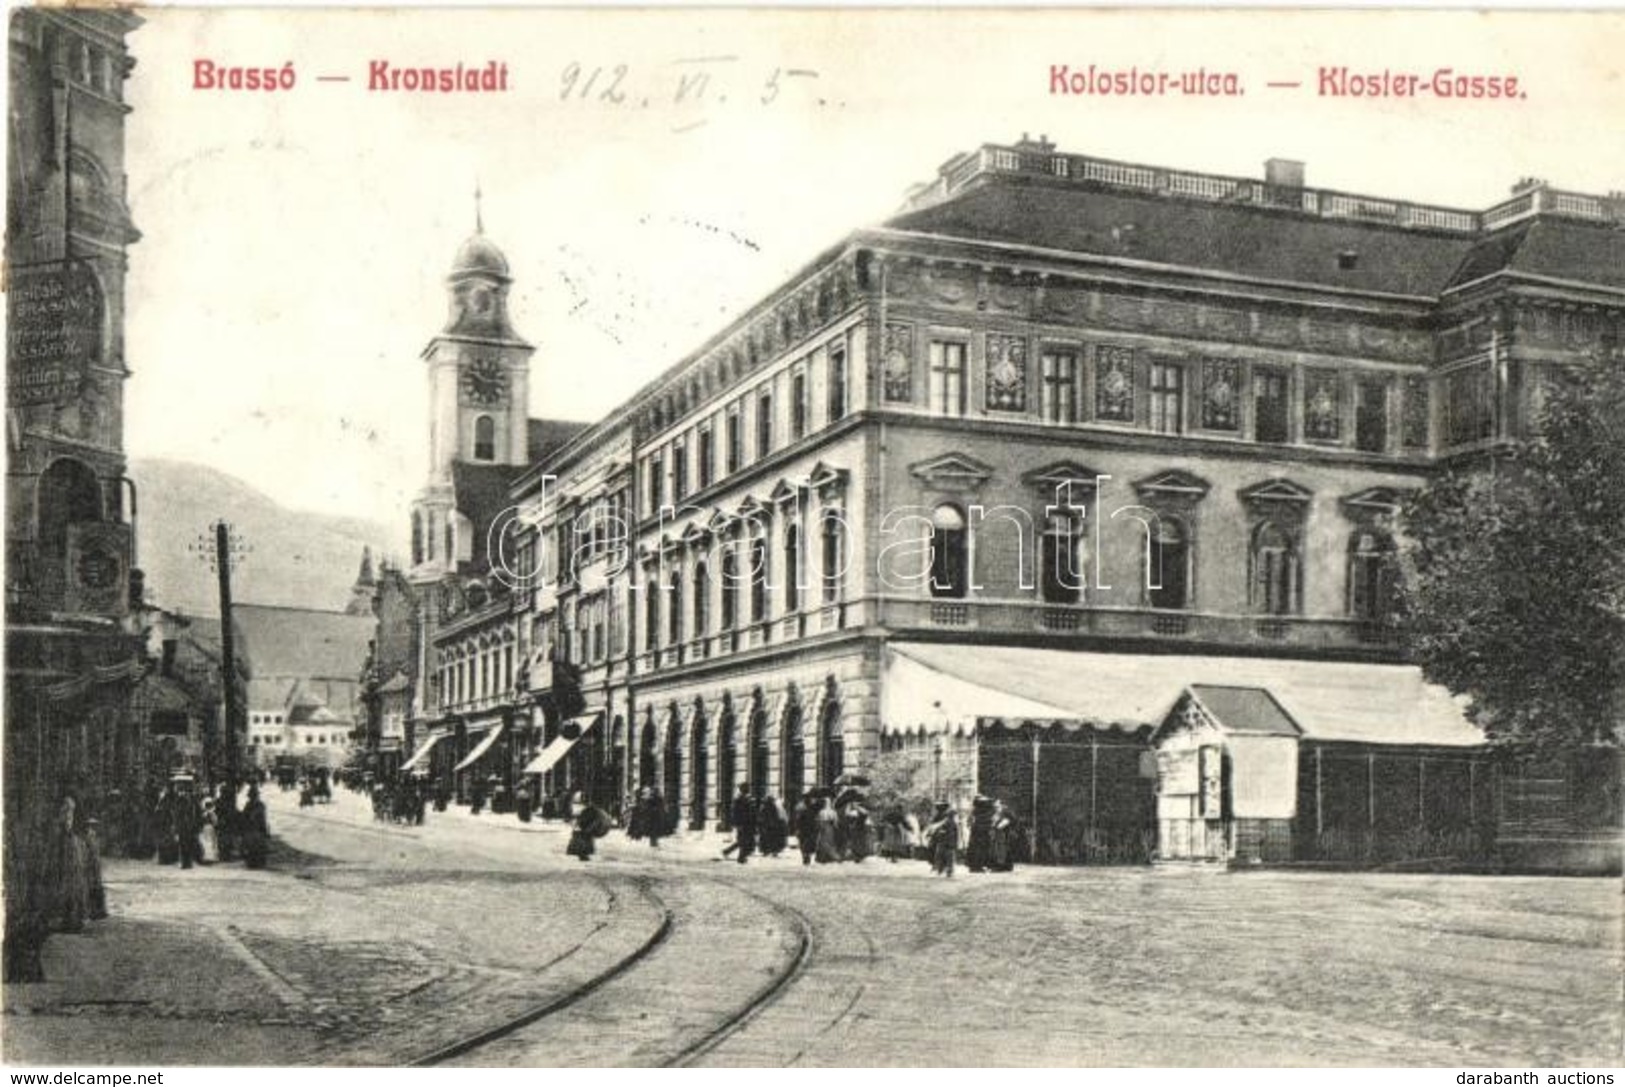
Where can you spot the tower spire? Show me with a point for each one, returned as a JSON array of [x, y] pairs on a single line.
[[479, 218]]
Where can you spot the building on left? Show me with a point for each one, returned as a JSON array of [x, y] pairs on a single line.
[[73, 653]]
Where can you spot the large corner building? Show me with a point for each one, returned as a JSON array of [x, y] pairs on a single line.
[[1074, 481]]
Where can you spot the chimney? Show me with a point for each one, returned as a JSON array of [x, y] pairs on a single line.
[[1283, 174]]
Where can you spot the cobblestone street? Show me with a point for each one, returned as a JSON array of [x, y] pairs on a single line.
[[380, 944]]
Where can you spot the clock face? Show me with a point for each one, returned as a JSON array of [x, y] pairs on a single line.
[[485, 382]]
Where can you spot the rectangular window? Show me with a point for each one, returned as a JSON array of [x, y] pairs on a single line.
[[735, 438], [798, 405], [1167, 398], [1269, 405], [1468, 406], [1323, 405], [1371, 415], [1060, 392], [657, 483], [837, 382], [679, 472], [764, 422], [1221, 394], [1416, 413], [947, 377], [706, 452], [1114, 383]]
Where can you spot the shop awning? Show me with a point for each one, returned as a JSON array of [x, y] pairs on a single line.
[[423, 751], [480, 749], [572, 730], [945, 688]]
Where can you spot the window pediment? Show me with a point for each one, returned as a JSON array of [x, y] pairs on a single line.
[[1278, 490], [1066, 481], [1173, 484], [783, 492], [953, 472], [828, 481], [1373, 504]]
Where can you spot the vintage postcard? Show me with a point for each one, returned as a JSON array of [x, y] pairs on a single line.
[[834, 537]]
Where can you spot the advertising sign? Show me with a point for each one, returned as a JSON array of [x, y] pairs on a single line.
[[53, 331]]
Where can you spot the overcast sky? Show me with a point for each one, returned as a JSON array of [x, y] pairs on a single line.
[[295, 244]]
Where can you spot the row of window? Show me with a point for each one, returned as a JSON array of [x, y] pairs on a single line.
[[321, 738], [481, 675], [668, 471], [1275, 565], [1135, 387], [265, 718]]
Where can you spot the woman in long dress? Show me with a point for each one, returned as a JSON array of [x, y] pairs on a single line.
[[829, 821], [256, 830], [209, 834]]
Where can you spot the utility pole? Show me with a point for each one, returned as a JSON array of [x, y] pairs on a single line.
[[219, 553], [228, 655]]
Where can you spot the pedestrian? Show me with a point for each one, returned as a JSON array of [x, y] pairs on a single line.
[[476, 797], [72, 890], [521, 802], [93, 870], [590, 824], [942, 836], [1006, 839], [163, 825], [859, 832], [187, 818], [893, 842], [829, 822], [807, 828], [772, 827], [979, 852], [256, 830], [654, 816], [208, 833], [743, 816]]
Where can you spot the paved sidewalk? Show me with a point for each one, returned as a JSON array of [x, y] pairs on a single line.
[[173, 970]]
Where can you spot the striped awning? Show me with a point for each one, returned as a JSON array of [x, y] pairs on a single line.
[[480, 749], [573, 730], [423, 751]]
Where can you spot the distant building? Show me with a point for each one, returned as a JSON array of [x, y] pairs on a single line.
[[304, 690]]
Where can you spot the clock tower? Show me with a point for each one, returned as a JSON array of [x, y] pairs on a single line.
[[479, 397]]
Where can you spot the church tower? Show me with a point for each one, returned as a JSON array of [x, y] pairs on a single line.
[[479, 395]]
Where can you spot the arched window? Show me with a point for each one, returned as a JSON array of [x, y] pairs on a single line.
[[451, 554], [651, 616], [702, 599], [1060, 565], [950, 552], [833, 556], [672, 779], [759, 749], [69, 493], [792, 568], [417, 538], [730, 587], [758, 579], [1373, 580], [832, 743], [485, 438], [1275, 583], [727, 760], [1170, 565], [792, 757], [674, 610], [648, 753], [699, 752]]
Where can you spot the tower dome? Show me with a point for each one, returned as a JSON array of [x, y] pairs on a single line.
[[479, 256]]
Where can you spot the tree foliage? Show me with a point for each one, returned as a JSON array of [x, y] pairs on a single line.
[[1515, 574]]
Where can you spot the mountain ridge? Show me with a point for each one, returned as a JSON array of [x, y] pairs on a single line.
[[295, 558]]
